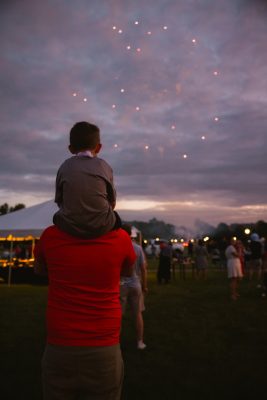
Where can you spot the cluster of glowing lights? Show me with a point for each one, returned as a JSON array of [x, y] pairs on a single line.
[[138, 108]]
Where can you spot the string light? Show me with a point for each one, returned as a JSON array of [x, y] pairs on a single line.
[[146, 147], [173, 127], [184, 156], [120, 31], [136, 22], [194, 40], [215, 73], [113, 105], [137, 108], [203, 137], [149, 32], [128, 47], [216, 119], [85, 99], [114, 28], [122, 90], [165, 28], [74, 94], [115, 146]]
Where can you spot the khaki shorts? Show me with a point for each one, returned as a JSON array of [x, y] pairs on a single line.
[[94, 373], [132, 296]]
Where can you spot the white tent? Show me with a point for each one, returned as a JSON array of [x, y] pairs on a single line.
[[33, 220], [29, 221]]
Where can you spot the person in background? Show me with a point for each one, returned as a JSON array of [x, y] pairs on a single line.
[[82, 359], [165, 261], [240, 249], [132, 290], [234, 270], [85, 192], [255, 259], [201, 259]]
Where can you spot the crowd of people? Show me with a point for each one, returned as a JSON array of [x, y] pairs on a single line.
[[237, 258]]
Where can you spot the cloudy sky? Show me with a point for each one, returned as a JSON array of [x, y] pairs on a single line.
[[177, 87]]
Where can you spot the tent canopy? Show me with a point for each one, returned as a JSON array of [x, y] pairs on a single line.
[[29, 221], [32, 221]]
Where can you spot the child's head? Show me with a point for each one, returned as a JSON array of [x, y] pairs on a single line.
[[84, 136]]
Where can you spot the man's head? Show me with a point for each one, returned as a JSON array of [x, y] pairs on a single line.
[[84, 136]]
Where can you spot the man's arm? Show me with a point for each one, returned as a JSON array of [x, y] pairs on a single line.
[[143, 270]]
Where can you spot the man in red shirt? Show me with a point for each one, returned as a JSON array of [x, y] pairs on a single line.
[[82, 358]]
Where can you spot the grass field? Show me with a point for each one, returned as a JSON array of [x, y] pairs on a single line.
[[200, 344]]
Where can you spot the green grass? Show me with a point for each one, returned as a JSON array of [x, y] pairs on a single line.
[[200, 344]]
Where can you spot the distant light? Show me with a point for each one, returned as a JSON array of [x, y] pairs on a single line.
[[206, 238], [203, 137], [145, 241], [216, 119], [122, 90], [114, 28], [182, 240], [128, 47], [115, 145], [194, 40], [215, 73], [137, 108], [157, 239], [184, 155], [247, 231], [147, 147], [74, 94], [85, 99], [138, 49], [165, 27], [120, 31], [173, 127], [136, 22], [149, 32], [113, 105], [234, 238]]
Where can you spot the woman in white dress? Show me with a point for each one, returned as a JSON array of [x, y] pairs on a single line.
[[234, 268]]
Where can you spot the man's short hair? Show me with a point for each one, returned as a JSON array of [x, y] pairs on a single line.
[[84, 136]]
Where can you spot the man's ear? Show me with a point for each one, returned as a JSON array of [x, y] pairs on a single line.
[[71, 149], [97, 148]]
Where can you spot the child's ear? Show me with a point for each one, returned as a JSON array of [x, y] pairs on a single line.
[[71, 149], [98, 148]]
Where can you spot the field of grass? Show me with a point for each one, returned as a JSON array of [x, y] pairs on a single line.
[[200, 344]]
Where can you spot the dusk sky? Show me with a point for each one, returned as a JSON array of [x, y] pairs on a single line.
[[178, 89]]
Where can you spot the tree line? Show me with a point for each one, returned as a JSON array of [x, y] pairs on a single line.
[[5, 208]]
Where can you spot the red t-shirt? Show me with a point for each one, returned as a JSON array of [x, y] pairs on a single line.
[[83, 296]]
